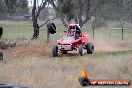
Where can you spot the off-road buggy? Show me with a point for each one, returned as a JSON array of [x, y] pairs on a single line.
[[73, 40]]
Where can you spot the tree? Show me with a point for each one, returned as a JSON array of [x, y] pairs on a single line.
[[82, 9], [14, 6], [35, 13], [87, 9], [59, 12], [23, 6], [3, 10], [65, 7]]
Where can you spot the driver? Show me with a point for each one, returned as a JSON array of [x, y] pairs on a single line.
[[78, 32], [71, 32], [74, 30]]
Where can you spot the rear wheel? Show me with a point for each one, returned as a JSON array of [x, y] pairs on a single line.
[[90, 48], [64, 52], [55, 51], [81, 50]]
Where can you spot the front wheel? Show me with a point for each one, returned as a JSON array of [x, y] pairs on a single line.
[[55, 51], [81, 50], [90, 48]]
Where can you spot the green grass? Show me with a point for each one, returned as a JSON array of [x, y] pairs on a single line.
[[25, 30], [17, 31]]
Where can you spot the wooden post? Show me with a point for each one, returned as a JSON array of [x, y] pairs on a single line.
[[1, 56], [122, 33], [110, 34], [48, 35], [93, 33]]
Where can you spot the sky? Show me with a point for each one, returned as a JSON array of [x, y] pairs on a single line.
[[30, 2]]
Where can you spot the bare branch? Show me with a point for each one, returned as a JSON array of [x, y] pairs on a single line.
[[84, 1], [93, 11], [87, 13], [47, 21], [41, 4], [59, 13], [41, 7]]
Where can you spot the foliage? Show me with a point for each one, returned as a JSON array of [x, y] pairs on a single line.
[[66, 6], [85, 9], [19, 6], [3, 10], [44, 14], [121, 10]]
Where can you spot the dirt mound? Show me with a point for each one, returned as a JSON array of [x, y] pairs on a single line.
[[31, 50], [15, 43]]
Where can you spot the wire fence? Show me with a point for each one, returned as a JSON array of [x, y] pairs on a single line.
[[114, 33]]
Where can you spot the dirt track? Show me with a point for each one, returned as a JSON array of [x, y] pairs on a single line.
[[24, 51], [102, 46], [40, 50]]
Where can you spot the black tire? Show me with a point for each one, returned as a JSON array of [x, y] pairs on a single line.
[[84, 82], [90, 48], [55, 51], [64, 52], [51, 28], [1, 55], [1, 32], [81, 50]]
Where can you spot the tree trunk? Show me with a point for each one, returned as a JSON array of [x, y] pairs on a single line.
[[34, 19], [35, 27], [35, 14]]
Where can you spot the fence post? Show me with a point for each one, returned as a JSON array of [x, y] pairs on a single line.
[[110, 34], [48, 35], [1, 56], [93, 33], [122, 33]]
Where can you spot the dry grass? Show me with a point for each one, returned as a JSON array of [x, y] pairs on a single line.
[[39, 73], [42, 72]]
